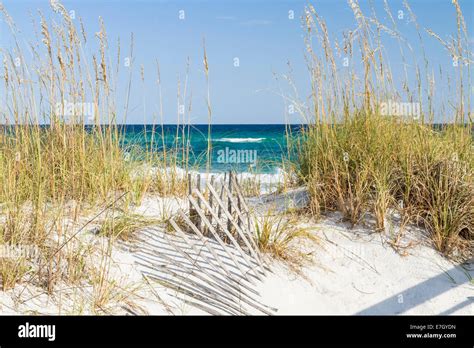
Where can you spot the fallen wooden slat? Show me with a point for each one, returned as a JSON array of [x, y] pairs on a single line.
[[238, 283], [236, 290], [168, 283], [158, 297], [192, 273], [201, 307], [228, 234], [192, 245], [194, 286], [218, 239], [238, 294], [187, 280], [240, 232], [183, 235], [204, 241]]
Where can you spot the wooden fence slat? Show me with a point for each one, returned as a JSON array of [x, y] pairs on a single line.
[[229, 204], [224, 271], [238, 250], [219, 209], [254, 247], [238, 189], [198, 187], [193, 246], [240, 213], [205, 242], [234, 242], [218, 239], [215, 281], [211, 203], [219, 282], [239, 232]]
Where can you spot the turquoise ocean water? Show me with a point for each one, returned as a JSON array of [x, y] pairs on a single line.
[[244, 148]]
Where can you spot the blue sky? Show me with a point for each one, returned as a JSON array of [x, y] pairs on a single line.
[[259, 33]]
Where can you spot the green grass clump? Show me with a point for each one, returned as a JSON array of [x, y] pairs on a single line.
[[371, 164], [281, 237], [62, 144], [358, 158], [124, 226]]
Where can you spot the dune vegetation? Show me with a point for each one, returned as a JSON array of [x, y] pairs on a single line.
[[61, 155], [360, 156], [64, 165]]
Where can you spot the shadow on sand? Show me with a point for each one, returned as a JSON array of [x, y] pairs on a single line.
[[426, 291]]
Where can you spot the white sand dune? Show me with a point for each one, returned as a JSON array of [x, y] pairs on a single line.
[[354, 271]]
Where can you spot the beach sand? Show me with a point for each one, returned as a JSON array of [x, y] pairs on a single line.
[[351, 271], [358, 272]]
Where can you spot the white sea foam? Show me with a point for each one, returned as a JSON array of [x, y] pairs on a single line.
[[268, 182], [239, 140]]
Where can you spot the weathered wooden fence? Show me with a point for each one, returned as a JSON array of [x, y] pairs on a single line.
[[224, 217], [221, 263]]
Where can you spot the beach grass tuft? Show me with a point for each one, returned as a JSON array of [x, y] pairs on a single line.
[[358, 157]]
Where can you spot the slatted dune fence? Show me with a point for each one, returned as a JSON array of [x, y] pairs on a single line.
[[212, 261]]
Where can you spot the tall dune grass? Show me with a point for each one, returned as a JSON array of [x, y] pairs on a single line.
[[358, 159], [61, 145]]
